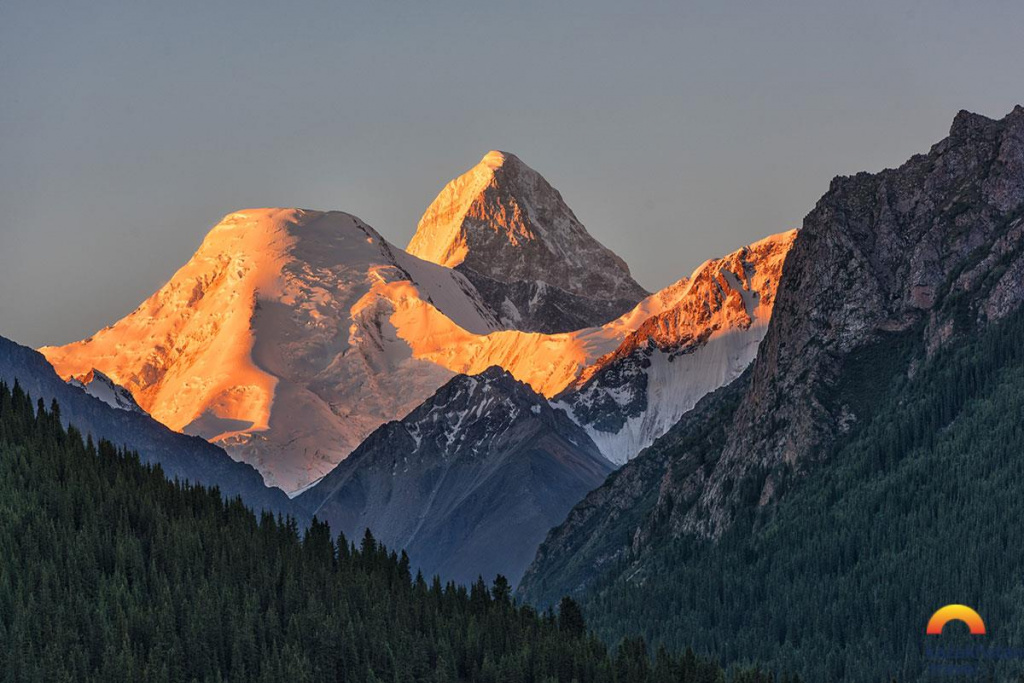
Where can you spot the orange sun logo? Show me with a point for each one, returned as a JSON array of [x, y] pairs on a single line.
[[956, 613]]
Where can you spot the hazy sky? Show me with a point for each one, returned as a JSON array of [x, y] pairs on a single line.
[[676, 131]]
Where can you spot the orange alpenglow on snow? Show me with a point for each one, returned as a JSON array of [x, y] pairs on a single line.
[[291, 334], [705, 336], [274, 341]]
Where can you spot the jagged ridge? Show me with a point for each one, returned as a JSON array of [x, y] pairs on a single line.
[[888, 267], [504, 226], [469, 482], [704, 340]]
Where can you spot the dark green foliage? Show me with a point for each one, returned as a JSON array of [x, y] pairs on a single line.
[[570, 617], [692, 444], [108, 572], [919, 506]]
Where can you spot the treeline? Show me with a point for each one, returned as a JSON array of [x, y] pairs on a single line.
[[109, 572], [920, 506]]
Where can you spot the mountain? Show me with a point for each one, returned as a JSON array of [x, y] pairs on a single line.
[[169, 583], [276, 339], [179, 456], [291, 335], [628, 380], [931, 251], [511, 233], [703, 340], [469, 482], [96, 384], [686, 340], [808, 508]]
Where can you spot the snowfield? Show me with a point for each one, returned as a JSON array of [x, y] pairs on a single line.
[[291, 335]]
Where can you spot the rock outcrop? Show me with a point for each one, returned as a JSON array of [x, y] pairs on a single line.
[[887, 269], [511, 233], [468, 483]]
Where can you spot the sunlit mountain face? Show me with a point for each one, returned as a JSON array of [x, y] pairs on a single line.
[[504, 226], [706, 335], [291, 335]]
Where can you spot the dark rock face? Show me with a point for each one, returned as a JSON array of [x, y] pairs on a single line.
[[925, 254], [509, 231], [932, 249], [611, 525], [614, 393], [535, 306], [468, 483], [182, 457]]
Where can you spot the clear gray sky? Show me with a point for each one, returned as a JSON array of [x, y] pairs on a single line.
[[677, 131]]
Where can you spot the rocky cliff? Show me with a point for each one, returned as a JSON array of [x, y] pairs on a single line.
[[468, 483], [511, 233], [888, 269]]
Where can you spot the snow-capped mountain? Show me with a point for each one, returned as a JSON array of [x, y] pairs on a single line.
[[275, 340], [95, 383], [291, 335], [705, 337], [886, 294], [469, 482], [511, 233]]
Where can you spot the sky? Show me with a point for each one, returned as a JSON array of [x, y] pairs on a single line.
[[676, 131]]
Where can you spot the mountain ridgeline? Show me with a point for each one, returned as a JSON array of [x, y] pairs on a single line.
[[285, 314], [309, 330], [702, 341], [111, 573], [820, 417], [187, 458], [510, 232], [469, 482], [813, 513]]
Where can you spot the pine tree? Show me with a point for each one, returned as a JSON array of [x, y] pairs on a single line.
[[111, 573]]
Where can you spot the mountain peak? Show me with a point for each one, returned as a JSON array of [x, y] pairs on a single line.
[[469, 482], [496, 373], [502, 221], [97, 384], [495, 159], [966, 124], [705, 334], [285, 314], [272, 229]]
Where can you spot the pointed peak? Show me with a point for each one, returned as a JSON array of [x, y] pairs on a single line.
[[99, 385], [94, 375], [966, 120], [502, 220], [495, 159], [496, 373], [493, 375]]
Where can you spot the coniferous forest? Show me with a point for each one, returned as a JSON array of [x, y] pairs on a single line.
[[916, 508], [109, 572]]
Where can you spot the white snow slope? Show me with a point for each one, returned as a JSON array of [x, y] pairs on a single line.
[[710, 335], [98, 385], [275, 340], [291, 335]]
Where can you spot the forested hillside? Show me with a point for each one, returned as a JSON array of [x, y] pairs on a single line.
[[108, 572], [920, 505]]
